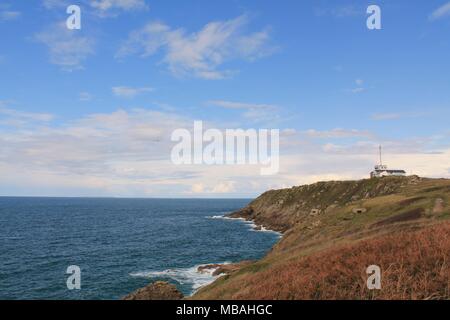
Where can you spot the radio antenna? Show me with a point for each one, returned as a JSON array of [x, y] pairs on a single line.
[[381, 163]]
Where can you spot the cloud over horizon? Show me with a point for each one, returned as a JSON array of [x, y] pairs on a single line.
[[138, 69], [127, 153]]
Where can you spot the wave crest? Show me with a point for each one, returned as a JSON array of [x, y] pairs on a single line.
[[251, 224], [184, 276]]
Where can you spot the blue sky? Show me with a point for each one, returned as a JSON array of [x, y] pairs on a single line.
[[75, 104]]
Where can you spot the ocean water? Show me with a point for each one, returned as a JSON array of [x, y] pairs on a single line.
[[119, 244]]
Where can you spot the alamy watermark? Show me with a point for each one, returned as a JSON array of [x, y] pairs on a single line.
[[73, 22], [373, 22], [374, 279], [74, 280], [228, 147]]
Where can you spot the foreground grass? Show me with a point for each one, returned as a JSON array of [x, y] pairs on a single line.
[[414, 264]]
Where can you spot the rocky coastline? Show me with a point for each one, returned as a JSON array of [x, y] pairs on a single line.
[[326, 219]]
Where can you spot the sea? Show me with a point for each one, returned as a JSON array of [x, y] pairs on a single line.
[[119, 245]]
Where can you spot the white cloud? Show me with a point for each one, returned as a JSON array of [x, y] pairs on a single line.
[[103, 8], [51, 4], [288, 132], [198, 188], [202, 53], [8, 15], [127, 153], [117, 154], [224, 187], [396, 115], [130, 92], [85, 96], [252, 111], [15, 117], [105, 5], [338, 133], [441, 12], [357, 90], [359, 86], [219, 188], [67, 48], [340, 12], [386, 116], [239, 105]]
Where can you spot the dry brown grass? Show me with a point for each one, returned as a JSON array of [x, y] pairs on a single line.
[[414, 264]]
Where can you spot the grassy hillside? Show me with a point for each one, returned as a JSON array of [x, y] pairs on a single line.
[[334, 230]]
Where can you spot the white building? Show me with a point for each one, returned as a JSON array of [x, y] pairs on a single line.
[[383, 171]]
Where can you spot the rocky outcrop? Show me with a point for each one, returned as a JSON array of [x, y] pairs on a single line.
[[156, 291]]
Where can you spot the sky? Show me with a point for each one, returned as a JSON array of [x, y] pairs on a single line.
[[90, 112]]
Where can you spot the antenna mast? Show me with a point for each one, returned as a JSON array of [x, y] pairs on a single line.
[[381, 163]]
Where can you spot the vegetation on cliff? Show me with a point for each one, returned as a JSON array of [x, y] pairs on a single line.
[[334, 230]]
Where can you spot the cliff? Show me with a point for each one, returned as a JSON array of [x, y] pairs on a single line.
[[332, 231]]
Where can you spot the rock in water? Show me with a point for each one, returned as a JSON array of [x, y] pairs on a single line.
[[159, 290]]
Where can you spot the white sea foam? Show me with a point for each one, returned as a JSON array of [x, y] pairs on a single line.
[[185, 276], [224, 218], [255, 228], [252, 226], [191, 276]]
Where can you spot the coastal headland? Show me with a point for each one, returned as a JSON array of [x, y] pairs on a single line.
[[333, 231]]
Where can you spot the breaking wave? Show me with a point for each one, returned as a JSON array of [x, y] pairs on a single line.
[[184, 276], [252, 226]]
